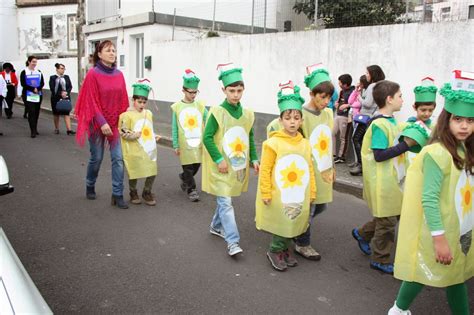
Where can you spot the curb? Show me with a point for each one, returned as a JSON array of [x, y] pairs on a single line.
[[340, 185]]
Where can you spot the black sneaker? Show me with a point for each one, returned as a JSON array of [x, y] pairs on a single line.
[[339, 160], [351, 165], [356, 170], [193, 195]]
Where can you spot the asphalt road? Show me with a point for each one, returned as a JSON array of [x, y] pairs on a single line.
[[87, 256]]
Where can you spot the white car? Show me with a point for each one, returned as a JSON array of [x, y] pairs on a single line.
[[18, 293]]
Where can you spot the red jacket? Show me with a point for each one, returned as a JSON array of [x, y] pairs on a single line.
[[14, 80]]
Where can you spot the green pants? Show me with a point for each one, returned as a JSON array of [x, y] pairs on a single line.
[[279, 244], [457, 297], [132, 183], [380, 233]]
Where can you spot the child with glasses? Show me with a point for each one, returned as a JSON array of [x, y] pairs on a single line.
[[187, 125]]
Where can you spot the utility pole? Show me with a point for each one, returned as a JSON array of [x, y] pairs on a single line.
[[253, 14], [406, 11], [315, 12], [174, 23], [214, 17], [81, 21], [424, 12], [265, 19]]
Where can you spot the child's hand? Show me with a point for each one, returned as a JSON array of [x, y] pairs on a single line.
[[176, 151], [157, 138], [442, 251], [256, 167], [409, 141], [222, 167], [138, 134], [267, 201]]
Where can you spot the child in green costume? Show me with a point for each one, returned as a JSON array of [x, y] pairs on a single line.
[[383, 162], [434, 245], [230, 150], [317, 128], [425, 104], [187, 126], [138, 142], [286, 185]]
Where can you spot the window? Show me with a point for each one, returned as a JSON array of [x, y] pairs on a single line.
[[71, 32], [446, 10], [139, 57], [471, 12], [47, 27], [445, 13]]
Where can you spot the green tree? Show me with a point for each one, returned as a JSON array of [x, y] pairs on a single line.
[[345, 13]]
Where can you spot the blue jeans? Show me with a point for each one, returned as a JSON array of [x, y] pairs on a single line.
[[96, 145], [305, 238], [224, 219]]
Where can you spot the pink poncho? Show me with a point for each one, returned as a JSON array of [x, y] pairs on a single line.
[[102, 98]]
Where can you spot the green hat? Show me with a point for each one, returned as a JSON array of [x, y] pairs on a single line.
[[459, 97], [190, 80], [228, 74], [426, 92], [418, 133], [141, 89], [289, 97], [316, 74]]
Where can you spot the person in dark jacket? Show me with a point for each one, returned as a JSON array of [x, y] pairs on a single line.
[[60, 86], [32, 82]]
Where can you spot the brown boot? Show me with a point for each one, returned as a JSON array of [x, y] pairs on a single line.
[[149, 198], [134, 197]]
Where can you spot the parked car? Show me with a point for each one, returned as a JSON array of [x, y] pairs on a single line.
[[18, 293]]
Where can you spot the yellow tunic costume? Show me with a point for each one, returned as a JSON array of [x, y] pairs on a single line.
[[415, 258], [383, 181], [291, 187], [318, 130], [189, 118], [232, 140], [139, 155]]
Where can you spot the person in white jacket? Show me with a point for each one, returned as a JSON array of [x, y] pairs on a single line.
[[3, 94]]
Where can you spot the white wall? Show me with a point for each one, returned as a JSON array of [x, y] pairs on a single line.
[[8, 30], [29, 27], [406, 52]]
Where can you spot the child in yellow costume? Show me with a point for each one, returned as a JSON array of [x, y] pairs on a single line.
[[286, 183], [139, 144], [187, 126], [434, 245], [420, 126], [383, 163], [230, 150], [317, 128]]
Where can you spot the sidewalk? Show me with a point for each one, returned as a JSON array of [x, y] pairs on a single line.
[[345, 182]]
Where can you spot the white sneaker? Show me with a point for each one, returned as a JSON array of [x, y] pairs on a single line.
[[395, 310], [234, 249], [216, 232]]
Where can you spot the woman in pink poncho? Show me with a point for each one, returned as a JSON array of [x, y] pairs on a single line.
[[102, 98]]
